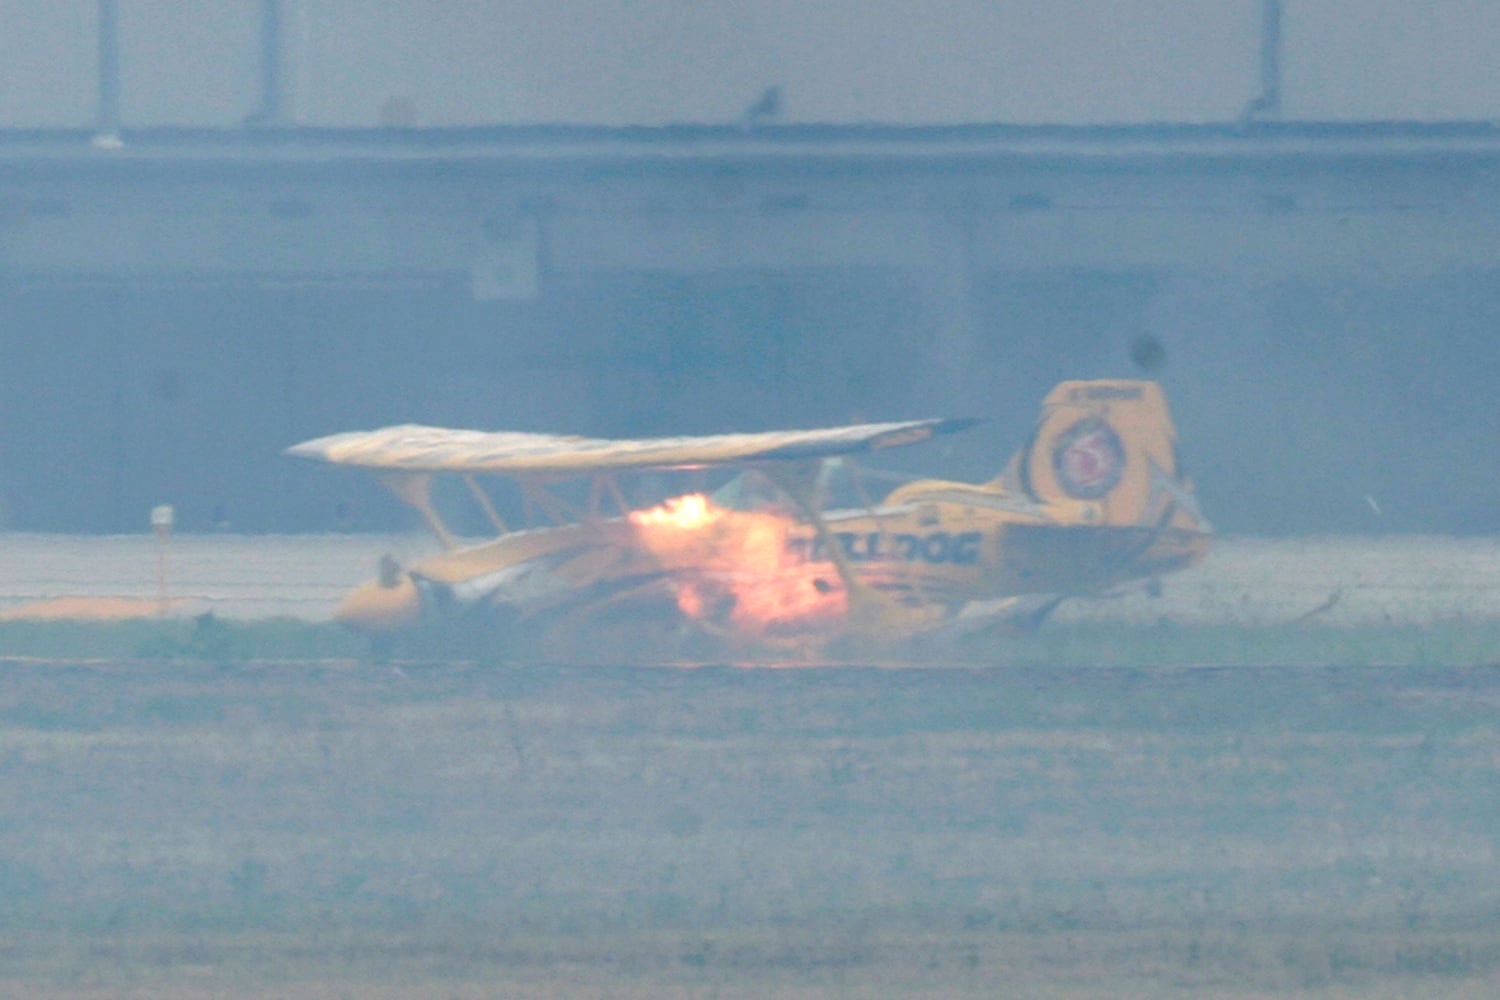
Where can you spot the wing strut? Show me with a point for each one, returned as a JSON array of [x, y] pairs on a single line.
[[554, 507], [483, 499], [871, 612], [416, 491], [799, 481], [600, 486]]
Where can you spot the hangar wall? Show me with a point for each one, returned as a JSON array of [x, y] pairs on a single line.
[[175, 312], [1303, 406]]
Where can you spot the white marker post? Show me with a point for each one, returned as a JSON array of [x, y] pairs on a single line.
[[162, 518]]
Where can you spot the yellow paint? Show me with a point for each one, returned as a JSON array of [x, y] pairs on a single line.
[[1094, 501]]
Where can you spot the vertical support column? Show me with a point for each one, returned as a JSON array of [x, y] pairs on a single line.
[[1270, 58], [115, 516], [272, 110], [1267, 103], [954, 378], [108, 126]]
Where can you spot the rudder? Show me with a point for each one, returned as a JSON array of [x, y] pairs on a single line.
[[1109, 444]]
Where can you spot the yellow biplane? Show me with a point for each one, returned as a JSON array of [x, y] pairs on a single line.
[[1093, 501]]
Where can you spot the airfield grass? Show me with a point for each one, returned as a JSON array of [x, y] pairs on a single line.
[[852, 962], [204, 638], [208, 816], [229, 642], [1455, 643]]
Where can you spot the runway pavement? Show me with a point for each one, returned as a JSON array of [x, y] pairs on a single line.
[[1394, 580]]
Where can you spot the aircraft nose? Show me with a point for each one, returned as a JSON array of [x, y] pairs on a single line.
[[381, 607]]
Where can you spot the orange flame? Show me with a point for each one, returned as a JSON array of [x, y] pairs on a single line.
[[685, 512], [735, 569]]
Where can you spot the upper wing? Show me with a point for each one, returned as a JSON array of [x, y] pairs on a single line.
[[414, 448]]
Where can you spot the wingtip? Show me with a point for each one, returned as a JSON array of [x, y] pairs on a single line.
[[314, 448], [952, 424]]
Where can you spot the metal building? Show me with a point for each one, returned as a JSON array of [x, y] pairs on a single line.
[[179, 302]]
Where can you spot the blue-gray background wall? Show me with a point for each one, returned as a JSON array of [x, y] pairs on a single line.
[[178, 306]]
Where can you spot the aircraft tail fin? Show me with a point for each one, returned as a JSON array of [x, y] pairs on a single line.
[[1110, 447]]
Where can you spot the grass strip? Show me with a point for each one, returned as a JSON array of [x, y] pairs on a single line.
[[207, 639]]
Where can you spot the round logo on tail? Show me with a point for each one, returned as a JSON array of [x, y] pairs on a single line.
[[1088, 459]]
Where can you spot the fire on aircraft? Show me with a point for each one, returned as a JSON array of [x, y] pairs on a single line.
[[1093, 501]]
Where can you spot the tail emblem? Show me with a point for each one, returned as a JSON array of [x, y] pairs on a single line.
[[1088, 459]]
